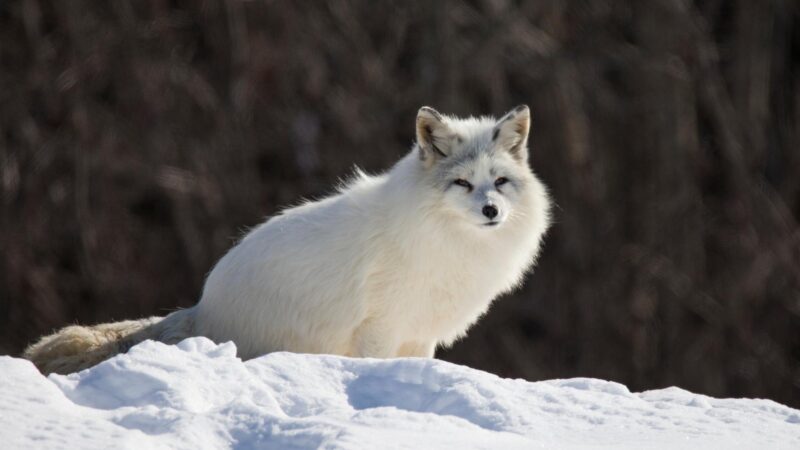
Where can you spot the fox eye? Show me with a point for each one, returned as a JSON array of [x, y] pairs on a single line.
[[500, 181], [464, 183]]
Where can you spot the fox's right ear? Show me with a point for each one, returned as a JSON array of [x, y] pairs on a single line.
[[433, 136]]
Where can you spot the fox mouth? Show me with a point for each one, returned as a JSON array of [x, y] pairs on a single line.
[[491, 224]]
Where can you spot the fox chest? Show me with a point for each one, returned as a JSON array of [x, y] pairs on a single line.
[[435, 297]]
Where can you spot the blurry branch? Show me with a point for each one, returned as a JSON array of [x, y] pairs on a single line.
[[661, 270], [180, 186], [759, 196]]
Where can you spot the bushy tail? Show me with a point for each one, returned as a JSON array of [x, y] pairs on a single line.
[[75, 348]]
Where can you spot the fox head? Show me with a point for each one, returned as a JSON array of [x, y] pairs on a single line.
[[479, 165]]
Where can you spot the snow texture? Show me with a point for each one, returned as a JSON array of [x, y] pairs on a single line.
[[199, 395]]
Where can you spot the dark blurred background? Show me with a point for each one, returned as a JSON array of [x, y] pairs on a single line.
[[138, 139]]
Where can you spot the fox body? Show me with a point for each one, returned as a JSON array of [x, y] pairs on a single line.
[[391, 265]]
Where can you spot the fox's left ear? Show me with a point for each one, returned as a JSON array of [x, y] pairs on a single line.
[[511, 132]]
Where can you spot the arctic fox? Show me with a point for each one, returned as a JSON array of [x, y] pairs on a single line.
[[391, 265]]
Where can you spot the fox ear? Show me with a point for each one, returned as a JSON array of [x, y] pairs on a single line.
[[511, 132], [433, 136]]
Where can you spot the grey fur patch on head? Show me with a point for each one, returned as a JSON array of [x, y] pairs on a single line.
[[445, 169]]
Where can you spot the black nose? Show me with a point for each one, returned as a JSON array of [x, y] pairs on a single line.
[[490, 211]]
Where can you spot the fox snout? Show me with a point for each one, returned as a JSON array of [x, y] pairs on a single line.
[[492, 208]]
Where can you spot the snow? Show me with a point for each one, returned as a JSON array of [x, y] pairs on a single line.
[[198, 395]]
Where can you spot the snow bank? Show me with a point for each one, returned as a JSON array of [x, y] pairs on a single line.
[[199, 395]]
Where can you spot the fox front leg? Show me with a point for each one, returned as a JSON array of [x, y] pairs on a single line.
[[417, 349], [372, 339]]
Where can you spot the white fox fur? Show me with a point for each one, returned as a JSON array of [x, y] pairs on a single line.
[[391, 265]]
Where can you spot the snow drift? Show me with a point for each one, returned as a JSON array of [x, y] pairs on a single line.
[[200, 395]]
